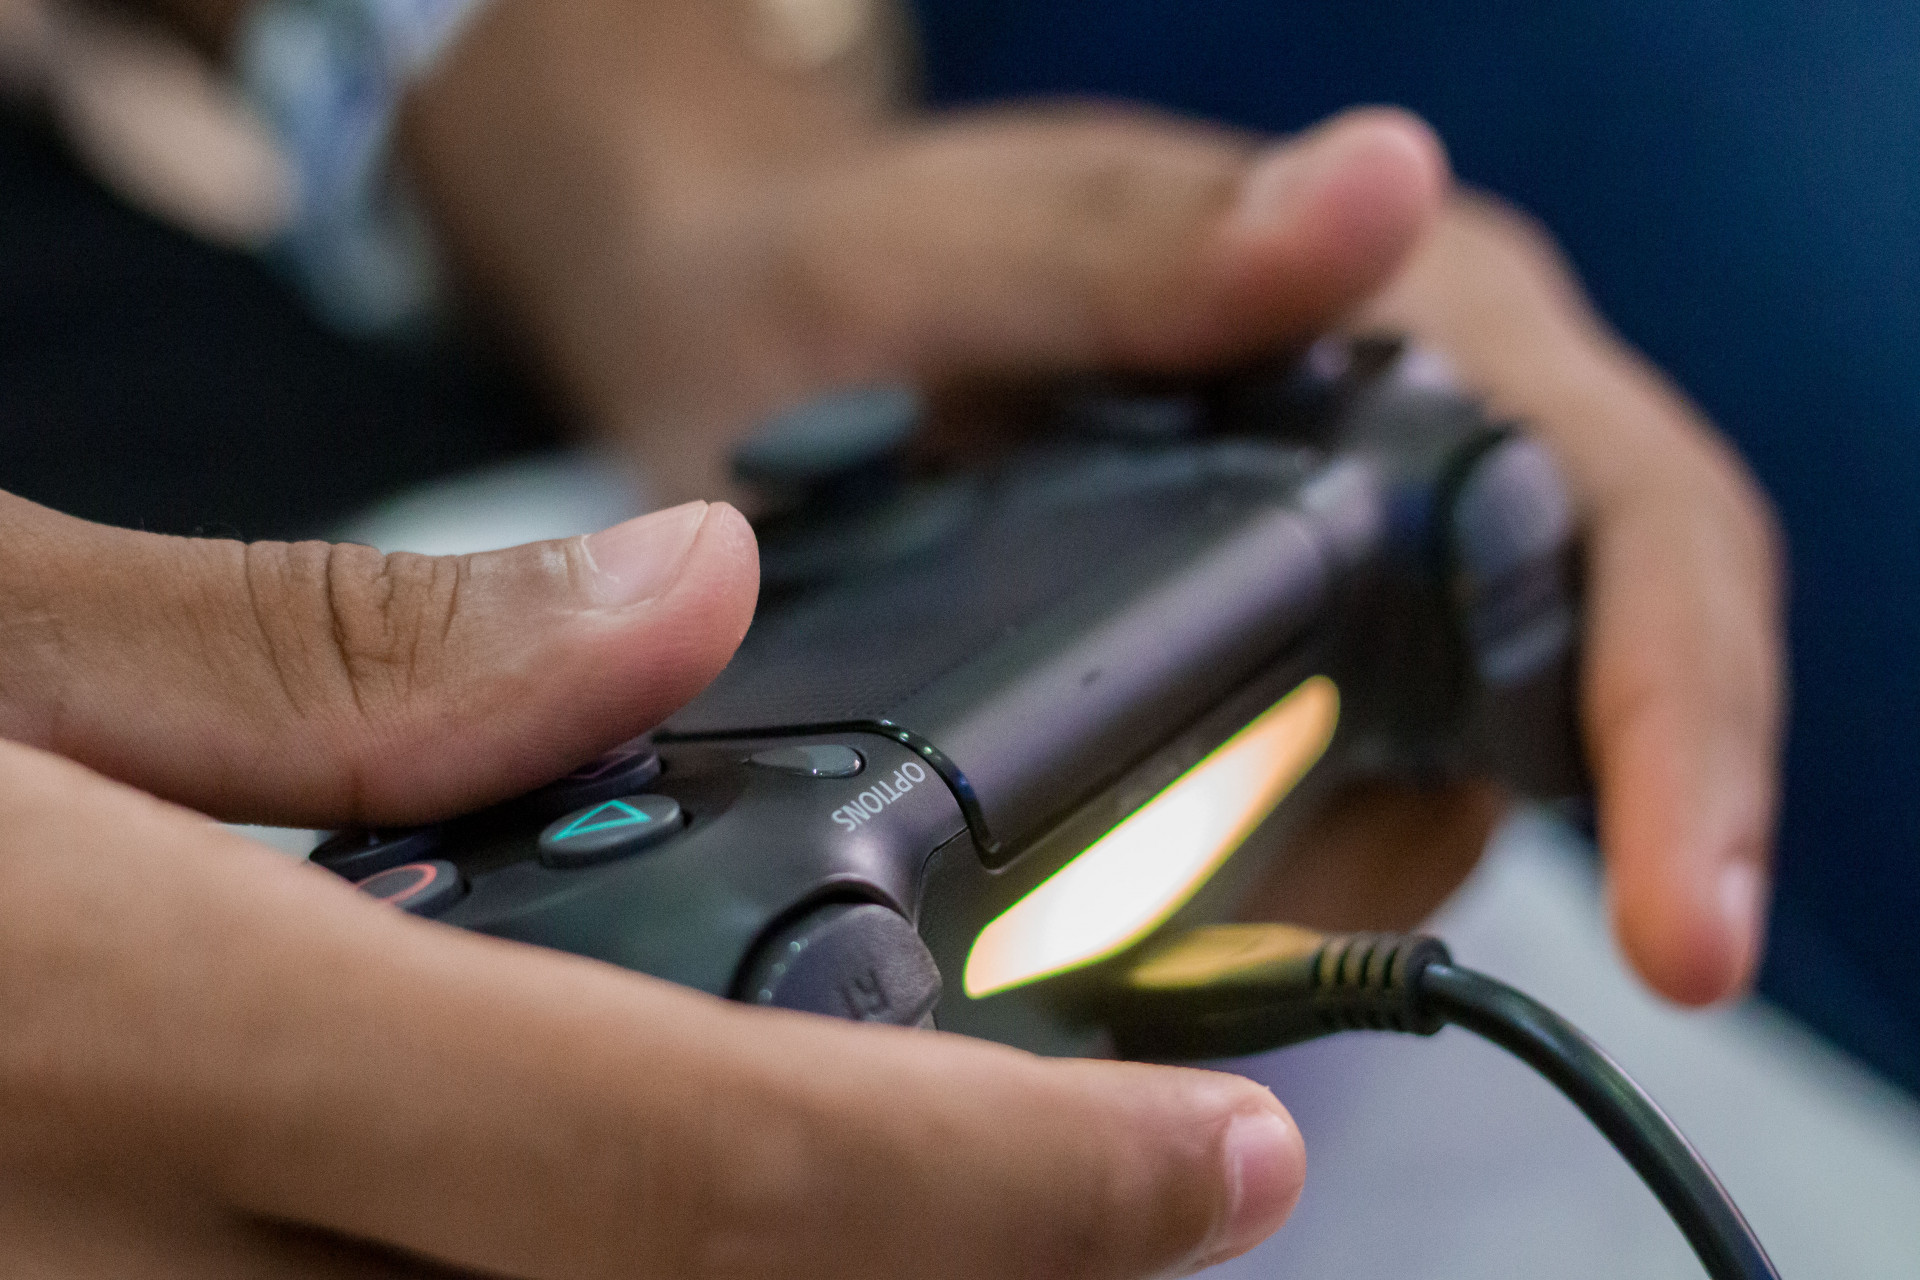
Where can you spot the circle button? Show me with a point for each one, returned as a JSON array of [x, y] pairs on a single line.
[[421, 888]]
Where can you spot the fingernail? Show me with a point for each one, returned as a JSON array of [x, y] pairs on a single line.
[[642, 558], [1742, 894], [1263, 1166]]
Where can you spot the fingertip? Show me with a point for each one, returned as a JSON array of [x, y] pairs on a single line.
[[1401, 150], [1686, 817], [1176, 1168], [1322, 221], [1744, 896], [1696, 938], [724, 576], [727, 539], [1257, 1156], [668, 649], [1265, 1164]]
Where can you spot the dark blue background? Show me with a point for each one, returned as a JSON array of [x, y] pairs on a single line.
[[1739, 184]]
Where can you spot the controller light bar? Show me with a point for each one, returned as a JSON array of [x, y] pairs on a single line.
[[1128, 882]]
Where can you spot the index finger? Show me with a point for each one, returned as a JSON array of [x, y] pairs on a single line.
[[1683, 703]]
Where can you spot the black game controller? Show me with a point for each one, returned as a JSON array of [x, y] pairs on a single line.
[[1003, 724]]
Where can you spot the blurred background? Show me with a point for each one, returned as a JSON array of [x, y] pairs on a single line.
[[1739, 187]]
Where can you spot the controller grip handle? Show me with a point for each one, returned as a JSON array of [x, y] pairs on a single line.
[[1514, 580]]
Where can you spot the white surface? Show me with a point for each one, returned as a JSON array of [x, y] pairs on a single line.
[[1444, 1158], [293, 841], [530, 500]]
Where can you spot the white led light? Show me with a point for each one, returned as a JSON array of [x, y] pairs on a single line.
[[1138, 874]]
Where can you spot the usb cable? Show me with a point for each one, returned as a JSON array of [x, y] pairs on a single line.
[[1229, 990]]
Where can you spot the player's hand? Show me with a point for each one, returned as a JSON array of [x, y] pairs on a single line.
[[217, 1061]]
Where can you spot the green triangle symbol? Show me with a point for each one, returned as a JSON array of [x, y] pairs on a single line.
[[606, 817]]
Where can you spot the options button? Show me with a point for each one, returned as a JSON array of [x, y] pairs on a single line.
[[821, 761]]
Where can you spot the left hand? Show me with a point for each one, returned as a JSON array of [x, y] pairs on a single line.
[[217, 1061]]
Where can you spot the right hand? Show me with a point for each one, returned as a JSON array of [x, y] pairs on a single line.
[[217, 1061]]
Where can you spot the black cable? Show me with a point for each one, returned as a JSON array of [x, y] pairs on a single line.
[[1618, 1107], [1230, 990]]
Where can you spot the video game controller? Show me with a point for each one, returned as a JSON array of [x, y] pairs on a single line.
[[1000, 724]]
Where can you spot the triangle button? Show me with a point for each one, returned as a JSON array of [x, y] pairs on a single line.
[[610, 829], [605, 817]]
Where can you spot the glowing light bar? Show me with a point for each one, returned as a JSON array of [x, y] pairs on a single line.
[[1130, 880]]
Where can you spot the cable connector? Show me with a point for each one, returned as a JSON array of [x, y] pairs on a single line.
[[1231, 990], [1228, 990]]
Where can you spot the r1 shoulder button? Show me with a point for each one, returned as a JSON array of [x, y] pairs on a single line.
[[848, 960], [821, 761], [611, 829], [420, 888], [355, 855]]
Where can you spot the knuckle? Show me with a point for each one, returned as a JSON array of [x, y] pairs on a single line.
[[1131, 198], [1726, 498], [36, 646], [1753, 519], [834, 304], [345, 622], [1118, 1193], [1128, 1220], [389, 617], [1100, 194], [1105, 1237], [1126, 225], [767, 1179], [1507, 230]]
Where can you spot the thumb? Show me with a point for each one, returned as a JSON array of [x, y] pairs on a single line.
[[316, 684], [1035, 241]]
